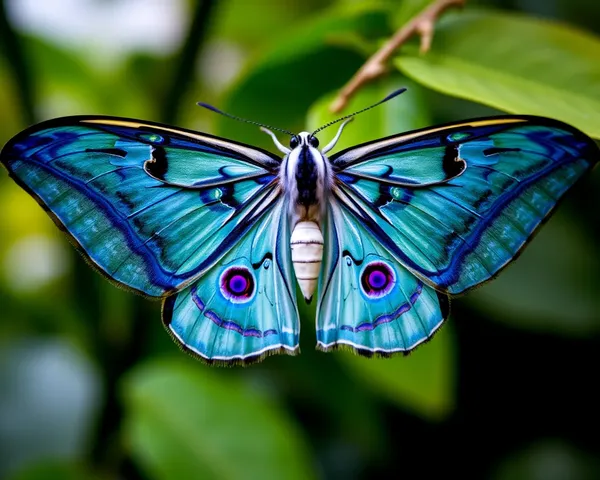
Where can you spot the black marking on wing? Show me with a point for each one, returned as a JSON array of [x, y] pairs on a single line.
[[451, 163], [228, 196], [488, 152], [157, 167], [109, 151], [384, 196], [267, 256], [356, 261]]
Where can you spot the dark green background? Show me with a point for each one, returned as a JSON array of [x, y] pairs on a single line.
[[91, 386]]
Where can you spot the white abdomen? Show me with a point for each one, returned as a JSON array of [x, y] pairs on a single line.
[[307, 252]]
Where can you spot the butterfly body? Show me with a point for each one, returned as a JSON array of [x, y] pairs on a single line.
[[306, 178], [223, 231]]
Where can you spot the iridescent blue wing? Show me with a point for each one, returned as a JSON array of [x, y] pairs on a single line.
[[430, 212], [162, 210], [150, 206], [455, 204], [368, 301], [244, 307]]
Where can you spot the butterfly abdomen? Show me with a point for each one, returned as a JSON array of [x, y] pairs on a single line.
[[307, 253]]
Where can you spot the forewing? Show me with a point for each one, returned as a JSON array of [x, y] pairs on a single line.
[[151, 206], [455, 204], [368, 301], [244, 307]]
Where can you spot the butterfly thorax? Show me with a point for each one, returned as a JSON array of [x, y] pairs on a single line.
[[305, 175]]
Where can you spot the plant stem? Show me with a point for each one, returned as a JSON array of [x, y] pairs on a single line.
[[422, 24]]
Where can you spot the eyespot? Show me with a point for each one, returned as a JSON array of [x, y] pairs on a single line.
[[294, 142], [313, 141], [377, 279], [237, 284]]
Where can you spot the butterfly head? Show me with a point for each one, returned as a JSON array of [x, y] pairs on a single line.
[[304, 138]]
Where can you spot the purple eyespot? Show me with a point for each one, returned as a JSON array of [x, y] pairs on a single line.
[[377, 279], [237, 284]]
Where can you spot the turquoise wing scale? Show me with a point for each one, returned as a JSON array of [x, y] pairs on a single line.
[[455, 204], [444, 208], [244, 304], [154, 208], [369, 302]]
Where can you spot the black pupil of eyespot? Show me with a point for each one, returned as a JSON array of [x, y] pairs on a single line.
[[294, 142], [314, 142]]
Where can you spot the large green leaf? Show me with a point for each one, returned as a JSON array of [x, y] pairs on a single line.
[[514, 63], [186, 421]]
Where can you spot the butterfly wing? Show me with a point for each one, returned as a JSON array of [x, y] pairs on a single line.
[[368, 301], [455, 204], [447, 208], [150, 206], [162, 210], [244, 307]]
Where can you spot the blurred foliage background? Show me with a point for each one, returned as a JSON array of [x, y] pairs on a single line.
[[91, 386]]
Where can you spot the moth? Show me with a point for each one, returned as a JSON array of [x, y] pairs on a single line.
[[379, 235]]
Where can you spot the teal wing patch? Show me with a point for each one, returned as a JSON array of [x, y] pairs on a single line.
[[455, 204], [368, 301], [244, 307], [150, 206]]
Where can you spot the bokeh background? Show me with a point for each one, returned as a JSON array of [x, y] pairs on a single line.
[[91, 386]]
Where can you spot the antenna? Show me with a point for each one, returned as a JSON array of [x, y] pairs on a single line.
[[389, 97], [240, 119]]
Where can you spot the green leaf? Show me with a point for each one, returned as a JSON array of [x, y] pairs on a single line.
[[423, 381], [188, 421], [513, 63]]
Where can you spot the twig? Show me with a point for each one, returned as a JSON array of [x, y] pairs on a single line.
[[422, 24]]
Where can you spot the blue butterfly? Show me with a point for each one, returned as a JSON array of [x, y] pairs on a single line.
[[222, 231]]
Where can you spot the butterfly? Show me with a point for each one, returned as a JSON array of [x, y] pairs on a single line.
[[223, 232]]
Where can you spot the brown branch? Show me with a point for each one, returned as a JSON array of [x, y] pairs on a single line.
[[422, 24]]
